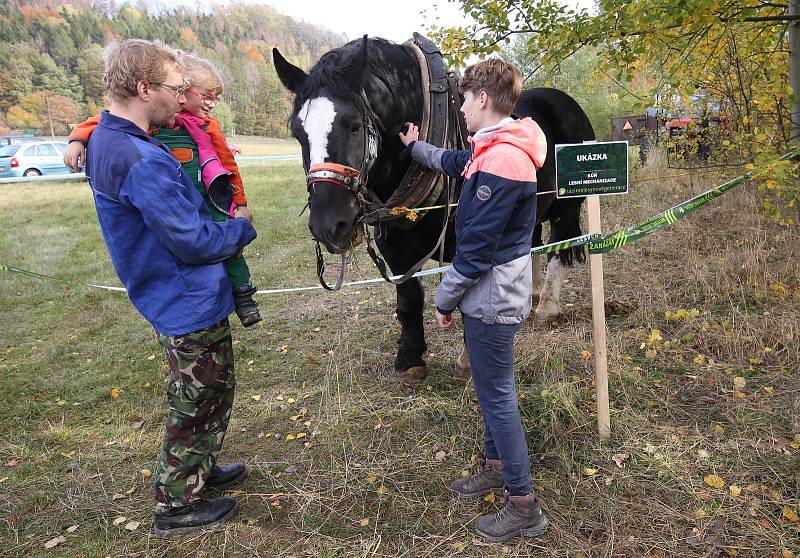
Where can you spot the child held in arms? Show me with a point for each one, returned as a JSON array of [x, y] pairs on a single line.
[[199, 145], [490, 280]]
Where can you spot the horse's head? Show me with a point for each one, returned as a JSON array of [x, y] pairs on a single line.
[[337, 130]]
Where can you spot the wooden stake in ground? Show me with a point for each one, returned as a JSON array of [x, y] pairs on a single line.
[[599, 324]]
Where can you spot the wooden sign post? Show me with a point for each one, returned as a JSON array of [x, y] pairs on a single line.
[[593, 169]]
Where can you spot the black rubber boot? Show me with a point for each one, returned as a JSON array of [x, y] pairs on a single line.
[[221, 478], [200, 515], [246, 307]]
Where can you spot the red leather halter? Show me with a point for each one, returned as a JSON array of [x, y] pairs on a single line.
[[340, 175]]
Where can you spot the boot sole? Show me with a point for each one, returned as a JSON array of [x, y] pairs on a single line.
[[169, 533], [228, 484], [249, 322], [473, 495], [537, 531]]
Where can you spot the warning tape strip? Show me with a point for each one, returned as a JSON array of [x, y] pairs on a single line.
[[627, 235]]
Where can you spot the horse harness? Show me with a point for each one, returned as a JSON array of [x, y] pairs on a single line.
[[442, 125]]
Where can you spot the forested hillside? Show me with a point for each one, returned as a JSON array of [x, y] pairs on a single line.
[[50, 65]]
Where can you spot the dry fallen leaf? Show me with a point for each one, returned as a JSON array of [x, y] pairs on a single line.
[[364, 522], [72, 529], [440, 455], [589, 472], [290, 436], [714, 480], [120, 520], [489, 497], [739, 381], [132, 526], [146, 473], [56, 541], [585, 355], [256, 397], [371, 478], [703, 454], [115, 392], [620, 458], [734, 490], [790, 514], [382, 489]]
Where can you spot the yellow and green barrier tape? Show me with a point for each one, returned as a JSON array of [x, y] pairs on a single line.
[[620, 238]]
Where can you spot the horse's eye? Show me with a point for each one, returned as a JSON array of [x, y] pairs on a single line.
[[356, 128]]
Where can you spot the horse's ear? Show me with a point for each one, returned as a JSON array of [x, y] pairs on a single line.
[[290, 75], [357, 71]]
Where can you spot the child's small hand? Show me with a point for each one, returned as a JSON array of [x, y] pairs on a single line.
[[244, 212], [75, 156], [412, 134]]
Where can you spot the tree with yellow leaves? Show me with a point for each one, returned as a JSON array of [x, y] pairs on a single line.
[[738, 52]]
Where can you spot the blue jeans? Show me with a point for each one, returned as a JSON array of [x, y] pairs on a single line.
[[491, 356]]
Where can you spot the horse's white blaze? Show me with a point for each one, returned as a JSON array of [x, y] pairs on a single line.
[[317, 117]]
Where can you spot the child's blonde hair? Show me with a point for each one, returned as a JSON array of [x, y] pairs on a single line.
[[201, 73]]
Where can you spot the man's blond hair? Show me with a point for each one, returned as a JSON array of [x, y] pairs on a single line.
[[199, 72], [133, 60], [501, 81]]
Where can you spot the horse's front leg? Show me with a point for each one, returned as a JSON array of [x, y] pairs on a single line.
[[408, 363]]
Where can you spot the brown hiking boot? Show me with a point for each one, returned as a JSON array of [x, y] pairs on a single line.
[[521, 517], [487, 479]]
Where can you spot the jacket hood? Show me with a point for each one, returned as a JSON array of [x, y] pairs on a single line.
[[524, 134]]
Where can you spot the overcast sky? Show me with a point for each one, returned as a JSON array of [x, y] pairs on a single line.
[[395, 20]]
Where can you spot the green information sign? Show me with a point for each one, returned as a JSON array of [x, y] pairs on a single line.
[[586, 169]]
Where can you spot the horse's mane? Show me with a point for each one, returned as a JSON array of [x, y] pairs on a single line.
[[331, 72]]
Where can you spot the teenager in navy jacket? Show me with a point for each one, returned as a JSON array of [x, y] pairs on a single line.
[[490, 280]]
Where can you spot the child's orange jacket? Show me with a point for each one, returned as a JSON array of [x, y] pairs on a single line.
[[82, 131]]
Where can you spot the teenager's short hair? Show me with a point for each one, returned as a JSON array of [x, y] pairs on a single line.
[[501, 81], [133, 60], [201, 73]]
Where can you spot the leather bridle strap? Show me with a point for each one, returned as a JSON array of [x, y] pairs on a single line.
[[334, 173]]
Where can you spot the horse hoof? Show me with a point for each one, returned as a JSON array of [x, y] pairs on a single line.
[[546, 312], [412, 375], [461, 374], [462, 371]]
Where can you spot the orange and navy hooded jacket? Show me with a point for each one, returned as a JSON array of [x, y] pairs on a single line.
[[83, 131], [491, 275]]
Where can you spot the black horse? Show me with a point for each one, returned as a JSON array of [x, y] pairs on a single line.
[[376, 83]]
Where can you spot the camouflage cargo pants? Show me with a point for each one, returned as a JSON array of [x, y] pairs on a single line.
[[200, 396]]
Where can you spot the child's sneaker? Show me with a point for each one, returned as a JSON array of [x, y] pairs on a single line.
[[246, 307]]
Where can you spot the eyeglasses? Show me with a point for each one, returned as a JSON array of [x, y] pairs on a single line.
[[207, 98], [176, 90]]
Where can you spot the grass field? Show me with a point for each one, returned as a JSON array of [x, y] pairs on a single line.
[[713, 391], [253, 146]]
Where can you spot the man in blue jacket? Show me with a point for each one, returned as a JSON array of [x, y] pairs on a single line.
[[490, 280], [168, 252]]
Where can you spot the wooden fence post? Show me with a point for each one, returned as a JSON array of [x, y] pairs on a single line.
[[599, 324]]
